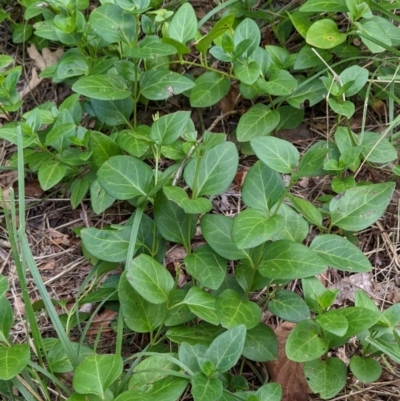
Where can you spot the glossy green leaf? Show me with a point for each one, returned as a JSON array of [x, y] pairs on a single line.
[[340, 253], [6, 318], [3, 285], [372, 29], [345, 108], [304, 343], [79, 188], [324, 6], [206, 266], [311, 163], [161, 84], [367, 370], [225, 350], [276, 153], [183, 26], [202, 333], [135, 141], [333, 322], [215, 171], [289, 306], [190, 355], [210, 87], [190, 206], [13, 360], [172, 221], [309, 94], [252, 228], [326, 377], [262, 187], [206, 388], [179, 313], [202, 304], [247, 72], [376, 149], [51, 173], [125, 177], [388, 345], [356, 74], [102, 87], [103, 147], [150, 279], [289, 260], [257, 121], [359, 319], [261, 344], [363, 300], [324, 34], [307, 209], [99, 198], [217, 231], [391, 316], [139, 315], [232, 310], [247, 29], [96, 373], [112, 112], [280, 83], [167, 129], [358, 208]]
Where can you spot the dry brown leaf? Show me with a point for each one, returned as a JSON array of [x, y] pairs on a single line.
[[287, 373], [228, 103], [301, 133], [58, 238], [50, 265], [33, 189], [102, 322]]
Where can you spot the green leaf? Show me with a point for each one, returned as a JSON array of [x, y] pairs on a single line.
[[289, 306], [210, 87], [202, 333], [261, 344], [333, 322], [387, 345], [362, 300], [309, 94], [326, 377], [367, 370], [247, 29], [96, 373], [150, 279], [179, 313], [99, 198], [202, 304], [358, 208], [125, 177], [324, 6], [79, 188], [102, 87], [217, 231], [167, 129], [304, 343], [257, 121], [112, 24], [280, 83], [161, 84], [252, 228], [51, 173], [262, 187], [324, 34], [214, 172], [377, 149], [139, 315], [103, 147], [247, 72], [276, 153], [205, 388], [345, 108], [3, 286], [372, 29], [206, 266], [225, 350], [391, 316], [232, 310], [183, 26], [112, 112], [357, 75], [311, 163], [134, 141], [190, 355], [307, 209], [72, 64], [340, 253], [190, 206], [6, 318], [13, 360], [289, 260], [359, 319], [269, 392], [172, 221]]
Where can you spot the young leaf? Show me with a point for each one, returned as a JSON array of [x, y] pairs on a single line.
[[326, 377], [6, 319], [362, 300], [304, 343], [225, 350], [257, 121], [209, 89], [262, 187], [96, 373], [206, 266], [183, 26], [367, 370], [99, 198], [324, 34], [205, 388], [333, 322], [289, 306], [202, 304], [150, 279], [232, 310], [139, 315], [252, 228], [247, 29], [345, 108], [261, 344], [340, 253], [13, 360], [247, 72], [358, 208], [102, 87], [280, 83], [190, 354], [190, 206], [214, 172], [307, 209], [125, 177], [276, 153], [167, 129], [288, 260], [376, 149], [356, 74], [79, 188], [51, 173]]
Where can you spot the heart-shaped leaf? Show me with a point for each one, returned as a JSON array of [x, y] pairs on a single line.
[[324, 34], [367, 370], [13, 360]]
